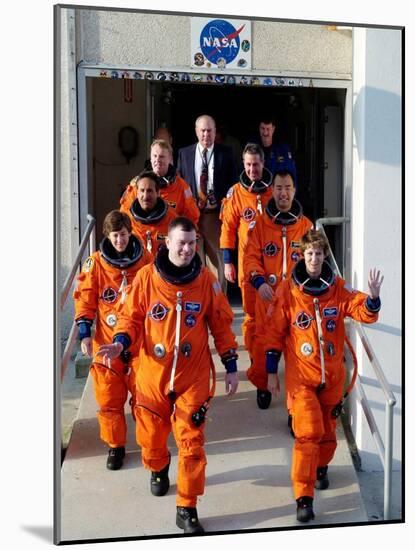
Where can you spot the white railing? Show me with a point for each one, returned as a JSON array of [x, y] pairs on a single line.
[[384, 447], [87, 239]]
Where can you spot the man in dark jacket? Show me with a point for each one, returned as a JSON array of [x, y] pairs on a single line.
[[210, 170]]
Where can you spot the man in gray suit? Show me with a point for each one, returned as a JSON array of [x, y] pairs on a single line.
[[210, 171]]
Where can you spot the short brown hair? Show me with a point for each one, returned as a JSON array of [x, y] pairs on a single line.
[[316, 239], [115, 221], [184, 223], [163, 144], [253, 149], [150, 175]]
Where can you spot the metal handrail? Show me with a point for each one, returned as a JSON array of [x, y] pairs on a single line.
[[87, 239], [89, 235], [385, 447]]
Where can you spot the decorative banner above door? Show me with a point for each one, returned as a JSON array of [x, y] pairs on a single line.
[[220, 43]]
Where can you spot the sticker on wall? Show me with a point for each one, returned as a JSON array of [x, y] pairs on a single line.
[[220, 43], [230, 79], [246, 45], [242, 63], [221, 63], [199, 59]]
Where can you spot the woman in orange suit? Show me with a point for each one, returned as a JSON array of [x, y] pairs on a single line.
[[308, 321], [98, 296], [169, 309]]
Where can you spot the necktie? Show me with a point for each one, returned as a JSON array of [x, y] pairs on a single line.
[[204, 175], [203, 181]]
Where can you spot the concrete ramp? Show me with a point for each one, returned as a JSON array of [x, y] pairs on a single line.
[[248, 483]]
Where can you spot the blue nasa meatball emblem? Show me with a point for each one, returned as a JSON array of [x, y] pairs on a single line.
[[219, 41], [330, 325], [190, 320]]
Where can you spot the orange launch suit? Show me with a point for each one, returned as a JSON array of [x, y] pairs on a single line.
[[150, 317], [240, 208], [98, 296], [151, 232], [267, 243], [292, 324]]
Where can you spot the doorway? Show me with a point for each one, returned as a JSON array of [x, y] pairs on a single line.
[[309, 119]]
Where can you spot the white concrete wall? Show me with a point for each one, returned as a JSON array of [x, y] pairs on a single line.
[[68, 236], [376, 217], [158, 40]]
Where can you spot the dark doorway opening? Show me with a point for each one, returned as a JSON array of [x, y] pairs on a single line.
[[301, 123]]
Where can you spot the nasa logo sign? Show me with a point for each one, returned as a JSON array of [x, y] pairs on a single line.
[[217, 43], [220, 40]]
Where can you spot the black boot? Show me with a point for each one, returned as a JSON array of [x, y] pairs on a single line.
[[159, 482], [322, 481], [263, 398], [305, 509], [186, 518], [115, 458]]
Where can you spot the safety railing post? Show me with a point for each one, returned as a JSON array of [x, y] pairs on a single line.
[[89, 238], [92, 241], [388, 459], [69, 279]]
